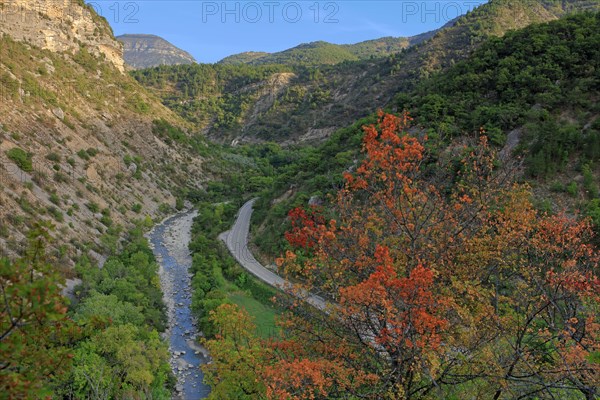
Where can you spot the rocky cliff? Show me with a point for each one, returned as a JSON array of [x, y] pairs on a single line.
[[82, 145], [145, 51], [60, 26]]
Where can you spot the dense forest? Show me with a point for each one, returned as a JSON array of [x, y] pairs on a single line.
[[206, 93], [543, 79], [104, 345]]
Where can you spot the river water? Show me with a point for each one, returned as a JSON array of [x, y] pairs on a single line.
[[169, 241]]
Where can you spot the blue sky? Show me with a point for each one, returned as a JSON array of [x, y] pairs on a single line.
[[211, 30]]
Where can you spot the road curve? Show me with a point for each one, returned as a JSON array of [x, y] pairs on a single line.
[[236, 240]]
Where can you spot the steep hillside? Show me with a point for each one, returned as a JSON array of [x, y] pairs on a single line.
[[216, 96], [145, 51], [535, 92], [317, 101], [81, 143], [446, 224], [380, 47]]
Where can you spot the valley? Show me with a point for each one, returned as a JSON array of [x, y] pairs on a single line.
[[443, 190]]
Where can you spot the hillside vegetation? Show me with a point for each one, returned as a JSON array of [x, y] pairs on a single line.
[[444, 280], [324, 53], [79, 147], [534, 93], [88, 158], [442, 193], [311, 104], [541, 80]]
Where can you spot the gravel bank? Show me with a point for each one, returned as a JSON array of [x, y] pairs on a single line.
[[169, 241]]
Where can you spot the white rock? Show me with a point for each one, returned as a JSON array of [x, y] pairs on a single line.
[[58, 113]]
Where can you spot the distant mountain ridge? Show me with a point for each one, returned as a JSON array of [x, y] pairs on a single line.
[[146, 51], [325, 53], [290, 103]]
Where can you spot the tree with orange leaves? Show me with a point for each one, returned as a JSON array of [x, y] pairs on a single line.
[[445, 282], [385, 256]]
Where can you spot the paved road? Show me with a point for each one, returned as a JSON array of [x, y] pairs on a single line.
[[236, 240]]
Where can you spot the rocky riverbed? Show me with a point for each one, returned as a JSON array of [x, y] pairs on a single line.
[[169, 241]]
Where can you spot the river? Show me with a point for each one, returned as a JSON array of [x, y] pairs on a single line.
[[169, 241]]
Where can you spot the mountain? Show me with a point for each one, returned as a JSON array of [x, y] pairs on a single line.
[[324, 53], [294, 104], [315, 53], [60, 26], [356, 216], [534, 90], [82, 144], [145, 51], [246, 57], [535, 93]]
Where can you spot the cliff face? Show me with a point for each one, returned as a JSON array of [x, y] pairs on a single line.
[[79, 144], [60, 26], [145, 51]]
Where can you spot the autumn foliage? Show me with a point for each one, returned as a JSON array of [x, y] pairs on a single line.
[[444, 281]]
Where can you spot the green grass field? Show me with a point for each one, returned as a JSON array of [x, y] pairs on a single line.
[[264, 315]]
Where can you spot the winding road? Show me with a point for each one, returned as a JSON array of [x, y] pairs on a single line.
[[236, 240]]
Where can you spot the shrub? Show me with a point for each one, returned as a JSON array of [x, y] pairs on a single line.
[[21, 158], [572, 189], [165, 208], [589, 183], [61, 178], [83, 155], [55, 199], [56, 214], [165, 130], [593, 211], [53, 157]]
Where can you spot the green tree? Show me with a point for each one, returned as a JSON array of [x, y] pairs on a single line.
[[235, 353], [121, 361], [35, 332], [110, 308]]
